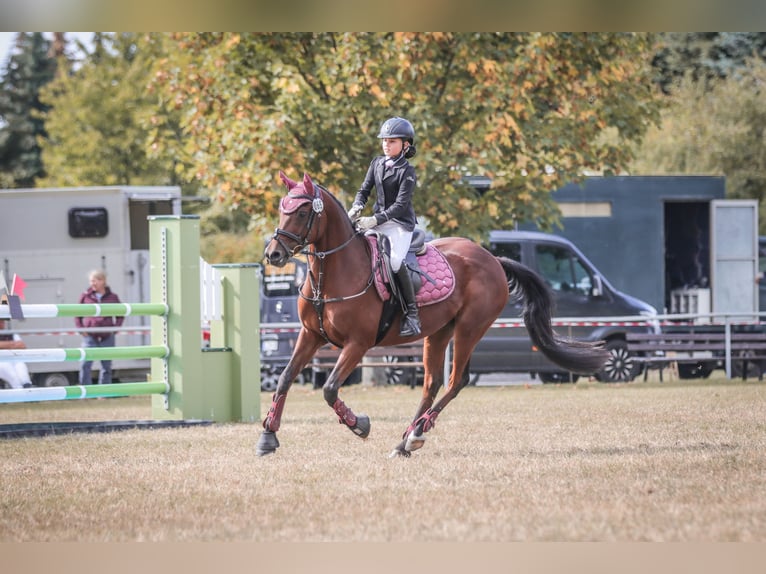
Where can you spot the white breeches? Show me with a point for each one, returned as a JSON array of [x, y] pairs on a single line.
[[15, 374], [400, 242]]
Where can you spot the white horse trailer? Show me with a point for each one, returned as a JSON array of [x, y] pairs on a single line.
[[53, 238]]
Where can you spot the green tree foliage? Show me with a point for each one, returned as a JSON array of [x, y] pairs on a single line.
[[704, 56], [530, 111], [716, 128], [31, 66], [103, 118]]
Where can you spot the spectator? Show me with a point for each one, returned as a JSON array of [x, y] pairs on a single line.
[[98, 292], [15, 374]]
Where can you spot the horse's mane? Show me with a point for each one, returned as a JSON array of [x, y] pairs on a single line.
[[336, 200]]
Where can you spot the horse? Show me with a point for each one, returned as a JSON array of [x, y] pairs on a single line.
[[338, 304]]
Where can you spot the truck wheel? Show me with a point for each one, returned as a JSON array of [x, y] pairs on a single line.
[[754, 367], [620, 367], [52, 380], [269, 380]]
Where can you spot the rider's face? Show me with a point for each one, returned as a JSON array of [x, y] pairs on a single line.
[[392, 147]]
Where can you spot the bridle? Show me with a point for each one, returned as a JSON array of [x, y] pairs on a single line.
[[317, 207], [301, 246]]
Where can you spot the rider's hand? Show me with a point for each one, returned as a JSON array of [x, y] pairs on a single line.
[[354, 212], [365, 223]]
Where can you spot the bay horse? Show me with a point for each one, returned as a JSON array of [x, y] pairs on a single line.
[[338, 304]]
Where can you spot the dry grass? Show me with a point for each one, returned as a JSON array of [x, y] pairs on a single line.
[[638, 462]]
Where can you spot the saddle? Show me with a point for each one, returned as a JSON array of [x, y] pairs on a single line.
[[431, 274]]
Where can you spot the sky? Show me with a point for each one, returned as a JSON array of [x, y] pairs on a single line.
[[6, 42]]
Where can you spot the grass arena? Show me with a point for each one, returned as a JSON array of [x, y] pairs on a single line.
[[679, 461]]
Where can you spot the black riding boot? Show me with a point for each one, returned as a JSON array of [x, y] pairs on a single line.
[[410, 320]]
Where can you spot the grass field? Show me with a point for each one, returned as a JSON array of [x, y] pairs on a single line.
[[585, 462]]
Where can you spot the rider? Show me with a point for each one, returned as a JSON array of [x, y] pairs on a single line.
[[394, 180]]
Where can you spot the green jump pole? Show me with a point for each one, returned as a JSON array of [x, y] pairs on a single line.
[[36, 394], [83, 354], [86, 310]]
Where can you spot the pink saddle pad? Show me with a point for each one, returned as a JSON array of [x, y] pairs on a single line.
[[433, 264]]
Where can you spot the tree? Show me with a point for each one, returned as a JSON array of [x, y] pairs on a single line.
[[31, 66], [531, 111], [714, 128], [705, 56], [100, 124]]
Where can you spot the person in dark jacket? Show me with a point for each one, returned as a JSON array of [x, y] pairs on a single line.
[[98, 292], [394, 181]]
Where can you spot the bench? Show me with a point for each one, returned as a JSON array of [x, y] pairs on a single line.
[[409, 355], [662, 349]]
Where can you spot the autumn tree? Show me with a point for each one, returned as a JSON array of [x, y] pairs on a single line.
[[530, 111]]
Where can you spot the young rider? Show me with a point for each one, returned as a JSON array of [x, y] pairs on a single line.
[[394, 180]]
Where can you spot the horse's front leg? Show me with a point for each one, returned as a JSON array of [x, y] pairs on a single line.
[[349, 358], [305, 348]]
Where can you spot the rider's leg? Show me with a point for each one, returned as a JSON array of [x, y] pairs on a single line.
[[410, 326], [400, 239]]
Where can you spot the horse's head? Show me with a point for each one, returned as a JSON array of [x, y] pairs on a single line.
[[299, 220]]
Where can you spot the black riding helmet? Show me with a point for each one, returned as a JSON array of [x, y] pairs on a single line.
[[397, 127]]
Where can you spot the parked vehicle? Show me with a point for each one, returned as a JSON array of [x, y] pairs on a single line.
[[580, 291], [52, 239], [279, 317]]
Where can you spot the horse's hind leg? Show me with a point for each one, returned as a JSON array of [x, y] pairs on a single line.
[[465, 340], [434, 352]]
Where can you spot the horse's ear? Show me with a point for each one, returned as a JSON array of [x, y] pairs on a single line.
[[308, 185], [286, 180]]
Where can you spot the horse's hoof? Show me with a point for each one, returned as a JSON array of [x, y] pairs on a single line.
[[362, 426], [414, 441], [267, 444], [399, 453]]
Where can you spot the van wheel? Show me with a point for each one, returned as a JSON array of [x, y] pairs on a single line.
[[558, 377], [698, 370], [397, 374], [620, 367]]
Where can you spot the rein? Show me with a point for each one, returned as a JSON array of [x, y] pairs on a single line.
[[317, 286]]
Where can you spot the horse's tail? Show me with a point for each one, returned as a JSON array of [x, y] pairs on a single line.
[[576, 356]]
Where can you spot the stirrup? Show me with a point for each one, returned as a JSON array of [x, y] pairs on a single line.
[[410, 327]]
